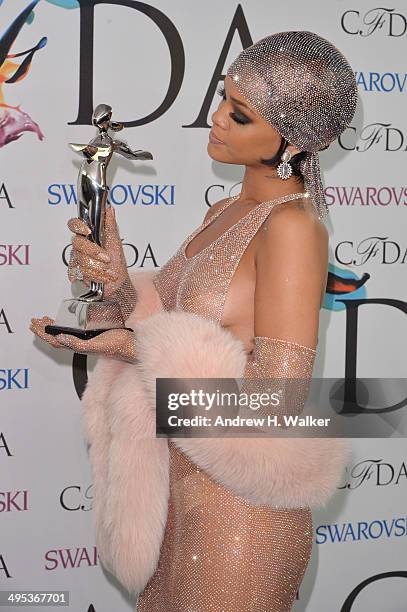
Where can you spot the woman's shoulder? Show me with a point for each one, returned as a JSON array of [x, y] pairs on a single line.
[[292, 254], [294, 221], [294, 232], [214, 208]]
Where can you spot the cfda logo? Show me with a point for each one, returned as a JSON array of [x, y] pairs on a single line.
[[377, 20]]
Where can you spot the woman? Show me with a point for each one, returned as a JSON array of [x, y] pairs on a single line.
[[222, 525]]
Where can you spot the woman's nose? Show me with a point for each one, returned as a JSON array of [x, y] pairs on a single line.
[[219, 118]]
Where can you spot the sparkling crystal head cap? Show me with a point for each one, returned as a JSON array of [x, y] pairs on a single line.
[[304, 86]]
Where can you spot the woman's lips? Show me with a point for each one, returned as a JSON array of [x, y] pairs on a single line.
[[213, 139]]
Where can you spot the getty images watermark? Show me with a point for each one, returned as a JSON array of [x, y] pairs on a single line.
[[321, 407]]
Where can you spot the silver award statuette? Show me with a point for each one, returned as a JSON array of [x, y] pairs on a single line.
[[89, 314]]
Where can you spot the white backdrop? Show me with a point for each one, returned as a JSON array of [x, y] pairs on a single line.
[[359, 559]]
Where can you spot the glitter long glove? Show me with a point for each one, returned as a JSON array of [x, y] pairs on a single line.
[[102, 264], [279, 366]]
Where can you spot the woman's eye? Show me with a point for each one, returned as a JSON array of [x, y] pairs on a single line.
[[237, 117], [242, 119]]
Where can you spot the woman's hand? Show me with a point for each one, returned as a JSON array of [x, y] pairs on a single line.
[[117, 343], [38, 327], [105, 264]]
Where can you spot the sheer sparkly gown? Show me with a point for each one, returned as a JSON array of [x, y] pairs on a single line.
[[219, 552]]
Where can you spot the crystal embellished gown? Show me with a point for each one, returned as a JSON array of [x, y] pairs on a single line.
[[219, 552]]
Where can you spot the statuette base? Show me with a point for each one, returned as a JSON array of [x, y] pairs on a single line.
[[85, 319]]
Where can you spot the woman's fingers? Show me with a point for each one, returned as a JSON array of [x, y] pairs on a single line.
[[37, 326], [81, 243], [96, 263], [78, 226], [73, 262], [93, 269], [112, 241], [87, 247]]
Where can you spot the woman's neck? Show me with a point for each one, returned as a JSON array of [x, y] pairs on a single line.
[[263, 184]]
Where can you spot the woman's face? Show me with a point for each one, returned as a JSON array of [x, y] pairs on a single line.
[[245, 137]]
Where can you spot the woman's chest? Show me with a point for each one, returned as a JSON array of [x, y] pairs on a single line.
[[218, 284]]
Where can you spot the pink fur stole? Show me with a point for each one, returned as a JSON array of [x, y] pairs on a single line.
[[130, 465]]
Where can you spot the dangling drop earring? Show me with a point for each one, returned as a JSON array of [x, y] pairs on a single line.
[[285, 169]]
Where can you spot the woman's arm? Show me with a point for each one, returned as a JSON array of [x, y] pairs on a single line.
[[291, 270]]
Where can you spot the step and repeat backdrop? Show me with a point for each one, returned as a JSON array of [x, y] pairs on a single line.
[[159, 66]]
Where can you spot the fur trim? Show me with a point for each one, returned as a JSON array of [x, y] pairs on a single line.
[[288, 472], [131, 466]]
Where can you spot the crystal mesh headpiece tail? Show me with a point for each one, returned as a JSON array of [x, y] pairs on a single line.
[[303, 85]]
